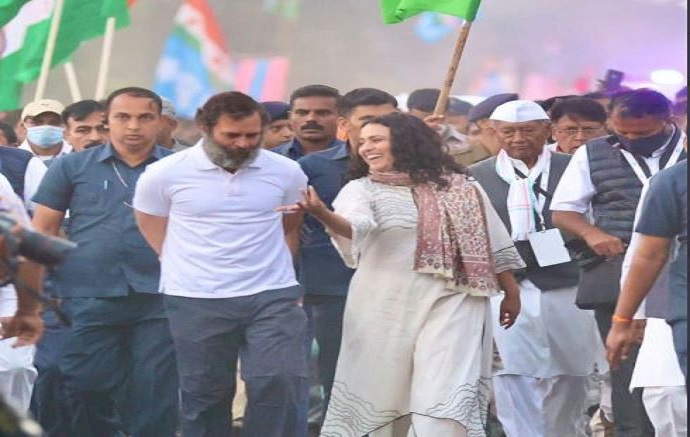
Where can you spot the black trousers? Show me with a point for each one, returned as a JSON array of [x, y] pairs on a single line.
[[628, 410]]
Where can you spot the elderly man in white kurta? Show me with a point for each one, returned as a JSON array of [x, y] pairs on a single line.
[[541, 389]]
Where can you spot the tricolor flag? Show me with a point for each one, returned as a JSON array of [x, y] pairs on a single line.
[[263, 78], [196, 61], [24, 36], [395, 11]]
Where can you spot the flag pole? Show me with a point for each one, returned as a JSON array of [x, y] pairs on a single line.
[[50, 49], [105, 58], [453, 69], [72, 82]]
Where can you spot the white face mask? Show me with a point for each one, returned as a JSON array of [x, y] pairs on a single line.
[[45, 137]]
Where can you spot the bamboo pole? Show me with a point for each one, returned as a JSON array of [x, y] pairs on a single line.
[[72, 82], [452, 69], [105, 58], [50, 50]]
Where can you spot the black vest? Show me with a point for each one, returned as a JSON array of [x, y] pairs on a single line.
[[617, 186], [13, 165], [546, 278]]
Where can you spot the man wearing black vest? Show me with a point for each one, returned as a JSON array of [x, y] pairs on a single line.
[[606, 176], [541, 389]]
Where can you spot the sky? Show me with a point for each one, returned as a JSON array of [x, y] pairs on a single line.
[[539, 48]]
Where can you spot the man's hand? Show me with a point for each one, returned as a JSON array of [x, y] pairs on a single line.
[[436, 122], [618, 343], [26, 326], [510, 309], [604, 244]]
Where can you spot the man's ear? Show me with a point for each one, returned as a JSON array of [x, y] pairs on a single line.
[[343, 124]]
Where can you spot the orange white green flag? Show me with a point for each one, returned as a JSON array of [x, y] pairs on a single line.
[[24, 35]]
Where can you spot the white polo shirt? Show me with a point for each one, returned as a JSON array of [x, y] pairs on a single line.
[[224, 237]]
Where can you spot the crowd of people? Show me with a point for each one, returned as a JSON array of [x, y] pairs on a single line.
[[513, 267]]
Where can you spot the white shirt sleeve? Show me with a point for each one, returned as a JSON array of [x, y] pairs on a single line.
[[151, 196], [354, 204], [293, 192], [32, 179], [8, 301], [11, 204], [576, 189]]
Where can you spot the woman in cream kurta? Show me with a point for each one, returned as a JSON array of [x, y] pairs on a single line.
[[411, 348]]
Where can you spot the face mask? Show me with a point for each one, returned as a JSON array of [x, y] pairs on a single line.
[[645, 146], [44, 137]]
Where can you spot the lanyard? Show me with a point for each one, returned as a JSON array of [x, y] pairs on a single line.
[[639, 171], [539, 189]]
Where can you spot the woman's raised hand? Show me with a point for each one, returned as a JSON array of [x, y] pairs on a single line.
[[311, 203]]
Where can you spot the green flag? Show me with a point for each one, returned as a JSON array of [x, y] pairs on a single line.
[[396, 11], [8, 9], [27, 33]]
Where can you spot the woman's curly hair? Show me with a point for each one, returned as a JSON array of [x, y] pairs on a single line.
[[417, 150]]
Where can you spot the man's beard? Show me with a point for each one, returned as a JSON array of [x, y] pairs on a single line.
[[229, 159]]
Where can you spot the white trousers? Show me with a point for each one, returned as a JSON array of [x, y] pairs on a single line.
[[17, 374], [667, 409], [421, 426], [541, 407]]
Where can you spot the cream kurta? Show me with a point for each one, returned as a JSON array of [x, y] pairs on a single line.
[[409, 345]]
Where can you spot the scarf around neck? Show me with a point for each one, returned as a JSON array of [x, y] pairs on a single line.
[[522, 202], [452, 235]]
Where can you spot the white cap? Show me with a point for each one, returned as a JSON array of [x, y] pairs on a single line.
[[518, 111], [41, 106]]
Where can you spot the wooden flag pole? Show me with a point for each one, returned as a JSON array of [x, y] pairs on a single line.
[[453, 69], [105, 58], [72, 82], [50, 49]]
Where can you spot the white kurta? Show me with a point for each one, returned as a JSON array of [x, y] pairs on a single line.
[[551, 337], [410, 347]]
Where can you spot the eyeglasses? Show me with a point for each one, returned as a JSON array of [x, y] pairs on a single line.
[[572, 131]]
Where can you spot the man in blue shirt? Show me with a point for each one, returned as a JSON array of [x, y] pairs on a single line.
[[314, 119], [663, 221], [321, 270], [118, 362]]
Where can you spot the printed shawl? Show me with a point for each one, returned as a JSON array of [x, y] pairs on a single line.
[[452, 235]]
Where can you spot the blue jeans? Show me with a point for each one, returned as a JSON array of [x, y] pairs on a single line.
[[267, 332], [49, 401], [119, 367], [326, 313]]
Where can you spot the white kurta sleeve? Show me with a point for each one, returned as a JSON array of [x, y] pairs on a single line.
[[354, 204], [505, 254], [575, 190]]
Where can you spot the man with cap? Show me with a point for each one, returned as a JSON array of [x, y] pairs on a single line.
[[457, 113], [541, 389], [167, 128], [279, 130], [421, 104], [606, 176], [44, 130], [480, 131]]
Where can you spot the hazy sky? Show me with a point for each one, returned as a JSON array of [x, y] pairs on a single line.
[[344, 43]]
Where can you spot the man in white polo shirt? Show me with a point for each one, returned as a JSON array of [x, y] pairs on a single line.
[[227, 272]]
